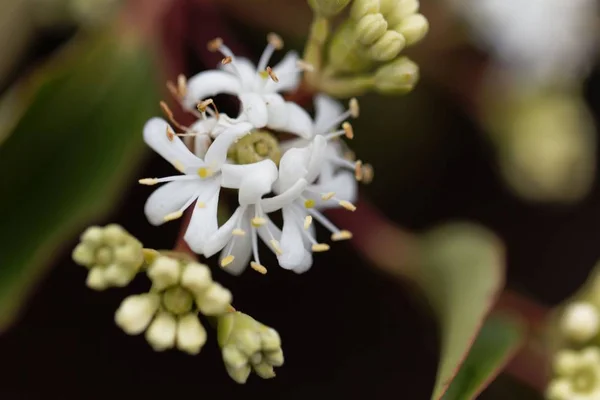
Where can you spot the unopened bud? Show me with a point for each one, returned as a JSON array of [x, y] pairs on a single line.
[[403, 9], [370, 28], [328, 8], [398, 77], [580, 322], [345, 54], [387, 47], [413, 28], [360, 8]]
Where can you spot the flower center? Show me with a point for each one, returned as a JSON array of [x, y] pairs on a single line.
[[257, 146], [177, 300]]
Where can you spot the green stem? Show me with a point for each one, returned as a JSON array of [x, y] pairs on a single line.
[[346, 87], [313, 51]]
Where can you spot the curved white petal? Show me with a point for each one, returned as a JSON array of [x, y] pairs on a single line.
[[254, 109], [241, 250], [173, 150], [317, 158], [216, 155], [277, 111], [224, 234], [232, 175], [203, 223], [298, 121], [255, 186], [169, 198], [292, 167], [201, 145], [294, 254], [210, 83], [343, 184], [246, 70], [288, 73], [287, 197], [327, 110]]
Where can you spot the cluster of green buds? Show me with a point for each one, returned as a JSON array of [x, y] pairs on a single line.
[[364, 51], [576, 362], [182, 291]]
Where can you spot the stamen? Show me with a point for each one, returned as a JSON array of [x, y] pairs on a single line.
[[304, 66], [226, 60], [272, 75], [170, 134], [204, 172], [348, 130], [341, 235], [182, 85], [255, 246], [275, 41], [203, 107], [307, 222], [309, 203], [169, 114], [324, 221], [354, 107], [368, 173], [179, 166], [238, 232], [347, 205], [227, 260], [154, 181], [173, 216], [342, 162], [258, 268], [201, 204], [328, 196], [173, 90], [320, 247], [358, 170], [215, 45], [257, 222], [275, 244], [148, 181]]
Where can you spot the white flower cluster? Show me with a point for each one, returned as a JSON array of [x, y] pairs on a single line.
[[308, 173]]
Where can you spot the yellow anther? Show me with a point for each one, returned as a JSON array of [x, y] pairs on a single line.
[[227, 260], [173, 216], [320, 247], [275, 41], [341, 235], [309, 203], [328, 196], [238, 232], [170, 134], [148, 181], [258, 268], [203, 105], [182, 85], [205, 172], [179, 166], [215, 44], [257, 222], [272, 74], [348, 131], [201, 204], [358, 170], [276, 247], [307, 222], [354, 108], [368, 173], [347, 205], [226, 60]]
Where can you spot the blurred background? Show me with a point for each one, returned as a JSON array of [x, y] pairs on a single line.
[[501, 130]]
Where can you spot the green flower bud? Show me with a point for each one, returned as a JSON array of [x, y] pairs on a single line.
[[328, 8], [370, 28], [345, 53], [413, 28], [402, 10], [111, 254], [360, 8], [257, 146], [387, 47], [248, 345], [397, 77]]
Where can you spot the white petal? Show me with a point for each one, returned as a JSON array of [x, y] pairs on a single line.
[[223, 235], [191, 335], [287, 197], [233, 175], [210, 83], [217, 152], [298, 122], [246, 69], [327, 110], [162, 331], [343, 184], [135, 312], [288, 73], [204, 221], [317, 158], [292, 167], [277, 111], [254, 186], [169, 198], [241, 250], [174, 151], [294, 254], [254, 109]]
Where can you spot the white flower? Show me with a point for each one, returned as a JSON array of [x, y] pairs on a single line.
[[202, 180], [537, 39], [256, 87], [168, 313], [580, 322], [578, 375]]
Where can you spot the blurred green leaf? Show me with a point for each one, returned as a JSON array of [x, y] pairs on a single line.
[[461, 273], [71, 153], [498, 340]]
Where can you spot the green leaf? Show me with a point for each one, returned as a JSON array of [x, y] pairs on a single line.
[[71, 153], [499, 339], [461, 273]]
